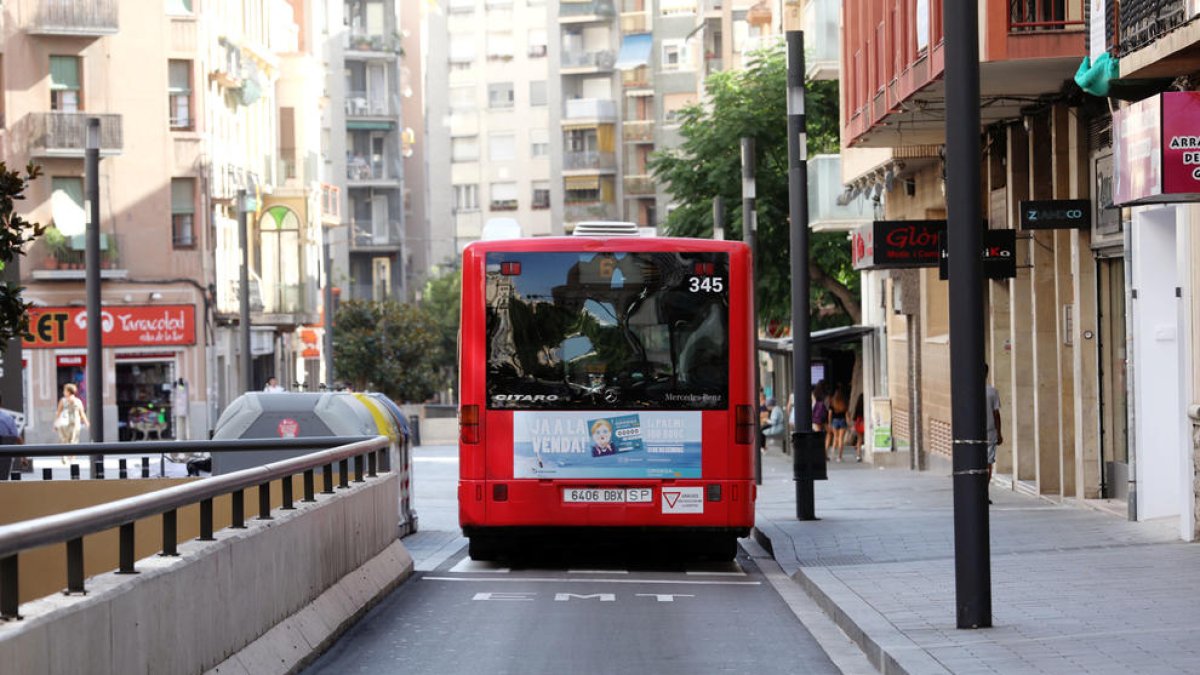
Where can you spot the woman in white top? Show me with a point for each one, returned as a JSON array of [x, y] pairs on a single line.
[[70, 417]]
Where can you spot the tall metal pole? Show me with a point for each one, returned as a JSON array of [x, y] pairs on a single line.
[[750, 236], [327, 295], [244, 294], [802, 436], [95, 334], [972, 557]]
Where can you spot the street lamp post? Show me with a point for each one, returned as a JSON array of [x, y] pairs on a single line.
[[244, 293], [972, 556], [95, 334]]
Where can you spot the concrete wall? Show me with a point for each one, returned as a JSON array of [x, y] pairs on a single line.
[[298, 580]]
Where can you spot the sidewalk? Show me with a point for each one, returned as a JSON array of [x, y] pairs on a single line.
[[1073, 590]]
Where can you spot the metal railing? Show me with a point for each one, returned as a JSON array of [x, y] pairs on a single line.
[[584, 160], [74, 17], [641, 131], [65, 133], [367, 104], [601, 8], [368, 454], [1038, 15], [640, 185], [603, 59]]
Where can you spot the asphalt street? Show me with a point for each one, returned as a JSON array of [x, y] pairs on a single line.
[[575, 611]]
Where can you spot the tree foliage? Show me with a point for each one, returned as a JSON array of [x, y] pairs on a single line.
[[441, 300], [388, 347], [753, 102], [15, 233]]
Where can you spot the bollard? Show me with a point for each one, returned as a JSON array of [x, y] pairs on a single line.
[[16, 475], [145, 467], [414, 429], [123, 469], [47, 474], [74, 472], [98, 470]]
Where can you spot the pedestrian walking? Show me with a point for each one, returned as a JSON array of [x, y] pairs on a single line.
[[70, 417], [995, 435], [839, 406], [820, 414], [857, 428], [272, 386]]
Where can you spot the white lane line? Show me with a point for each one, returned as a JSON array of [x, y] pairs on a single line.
[[716, 574], [543, 580], [597, 571]]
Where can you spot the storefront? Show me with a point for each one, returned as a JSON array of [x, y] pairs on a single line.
[[146, 350]]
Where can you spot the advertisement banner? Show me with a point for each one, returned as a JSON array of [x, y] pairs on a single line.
[[999, 255], [1056, 214], [897, 244], [134, 326], [1137, 151], [606, 444], [1181, 143]]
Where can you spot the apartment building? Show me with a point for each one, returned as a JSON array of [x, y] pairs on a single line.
[[1090, 342]]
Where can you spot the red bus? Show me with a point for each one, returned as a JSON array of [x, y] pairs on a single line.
[[606, 386]]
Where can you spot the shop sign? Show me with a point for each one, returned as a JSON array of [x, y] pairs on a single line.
[[999, 255], [1156, 150], [896, 244], [71, 361], [1056, 214], [127, 326]]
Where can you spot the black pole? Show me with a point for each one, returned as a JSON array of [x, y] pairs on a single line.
[[327, 295], [802, 436], [972, 558], [95, 336], [244, 293], [750, 236]]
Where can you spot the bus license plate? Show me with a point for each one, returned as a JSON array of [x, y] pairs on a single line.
[[608, 495]]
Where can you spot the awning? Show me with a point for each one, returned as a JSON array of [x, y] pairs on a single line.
[[369, 125], [635, 51], [581, 183], [827, 336]]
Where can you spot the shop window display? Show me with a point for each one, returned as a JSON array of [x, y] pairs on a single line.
[[144, 400]]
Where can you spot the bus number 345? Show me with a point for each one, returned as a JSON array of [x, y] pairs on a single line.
[[706, 284]]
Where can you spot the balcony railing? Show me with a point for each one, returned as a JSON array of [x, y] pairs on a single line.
[[84, 18], [359, 168], [291, 298], [361, 41], [638, 131], [589, 160], [576, 211], [63, 134], [57, 257], [635, 21], [602, 60], [370, 234], [591, 108], [1035, 15], [367, 104], [639, 186], [577, 10], [637, 78], [1143, 21]]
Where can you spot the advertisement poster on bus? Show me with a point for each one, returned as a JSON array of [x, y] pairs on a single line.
[[606, 444]]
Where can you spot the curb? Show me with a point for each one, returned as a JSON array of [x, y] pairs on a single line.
[[889, 650]]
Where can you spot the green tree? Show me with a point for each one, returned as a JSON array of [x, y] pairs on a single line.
[[15, 233], [388, 347], [753, 102], [441, 300]]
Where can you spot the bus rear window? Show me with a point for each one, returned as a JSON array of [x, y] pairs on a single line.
[[575, 331]]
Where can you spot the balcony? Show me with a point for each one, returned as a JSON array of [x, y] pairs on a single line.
[[364, 44], [369, 104], [77, 18], [58, 258], [371, 235], [825, 192], [362, 171], [637, 78], [600, 109], [576, 62], [592, 11], [1156, 38], [63, 134], [638, 131], [575, 212], [284, 303], [639, 186], [821, 20], [589, 161]]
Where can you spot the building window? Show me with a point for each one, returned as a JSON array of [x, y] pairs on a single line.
[[674, 103], [500, 95], [464, 149], [537, 42], [676, 7], [65, 89], [466, 198], [676, 55], [72, 187], [179, 7], [183, 210], [500, 46], [537, 93], [541, 194], [462, 50], [502, 147], [539, 142], [461, 6], [504, 197], [179, 94], [462, 99]]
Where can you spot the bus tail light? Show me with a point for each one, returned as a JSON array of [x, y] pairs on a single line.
[[744, 430], [469, 426]]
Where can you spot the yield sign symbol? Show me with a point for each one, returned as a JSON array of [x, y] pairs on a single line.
[[671, 497]]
